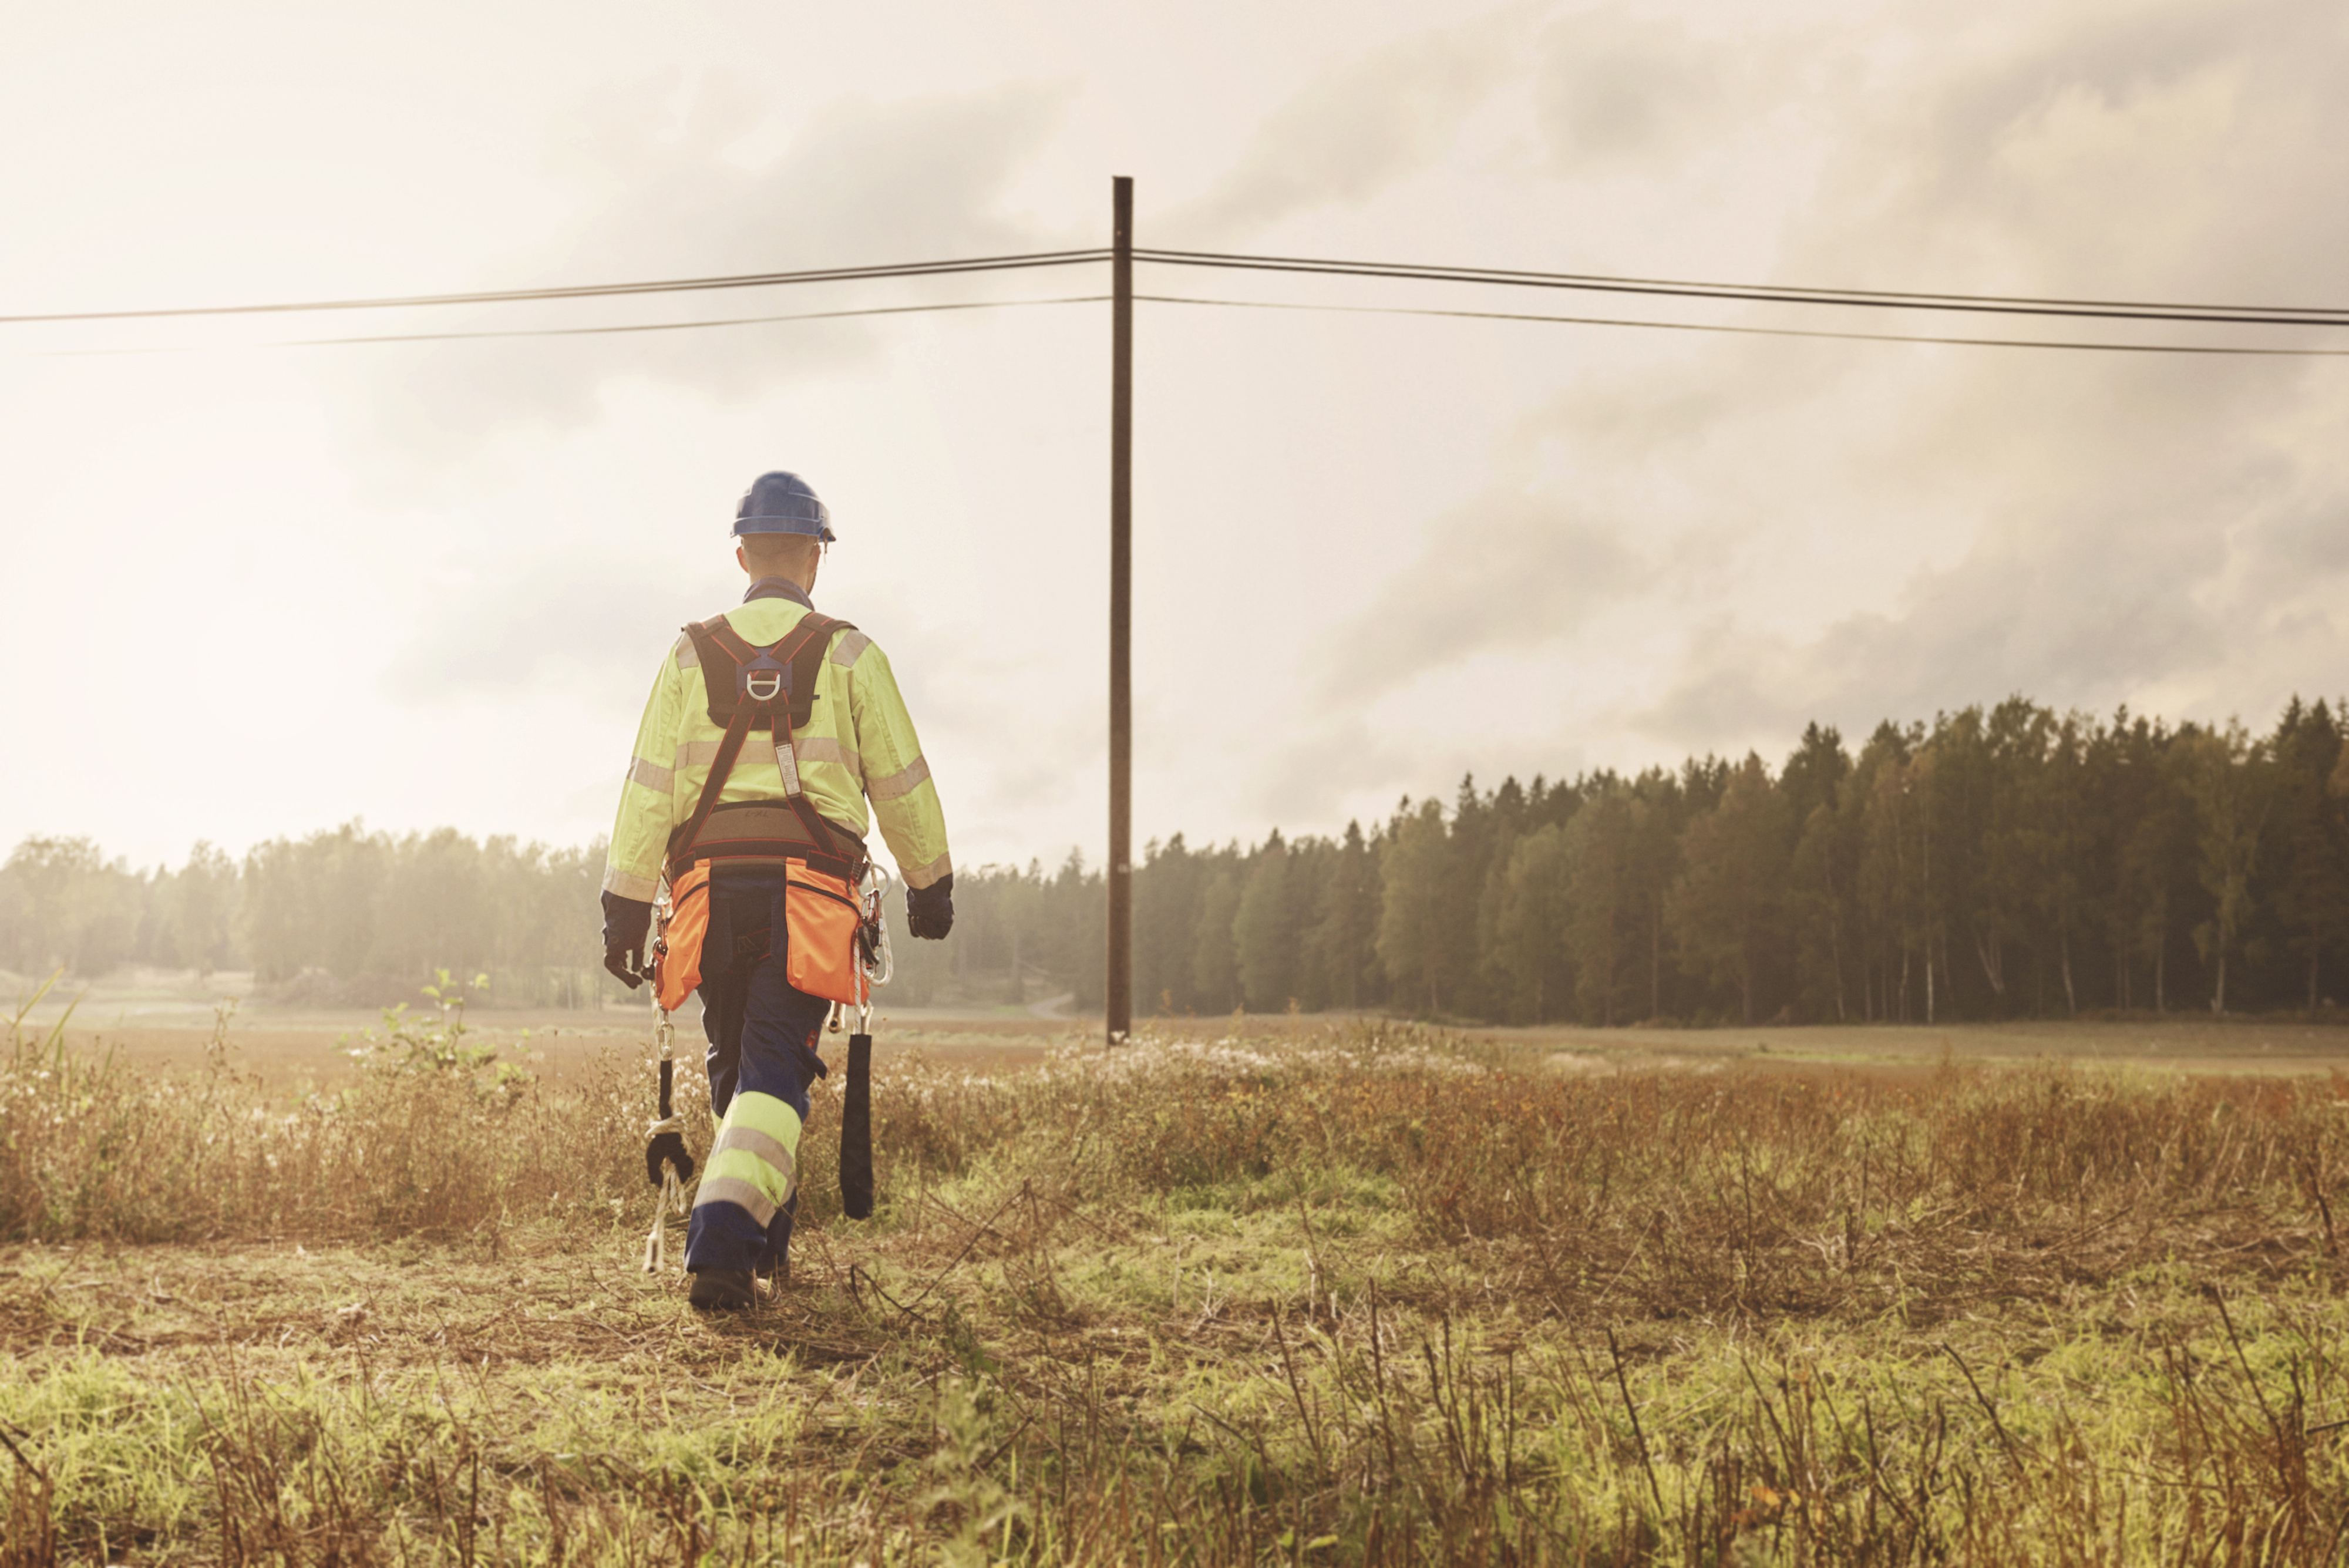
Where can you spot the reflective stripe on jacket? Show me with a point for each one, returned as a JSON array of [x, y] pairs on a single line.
[[859, 743]]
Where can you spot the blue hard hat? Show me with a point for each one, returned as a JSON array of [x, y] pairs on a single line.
[[781, 503]]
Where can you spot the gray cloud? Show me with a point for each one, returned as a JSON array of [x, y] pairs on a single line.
[[1620, 92], [1360, 128], [2068, 625], [1298, 785], [2191, 148], [518, 630], [1511, 572], [2136, 534], [2125, 528], [860, 181]]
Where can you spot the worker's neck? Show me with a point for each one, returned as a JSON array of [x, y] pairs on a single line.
[[781, 585]]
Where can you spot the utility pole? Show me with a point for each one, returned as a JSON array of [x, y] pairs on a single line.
[[1121, 615]]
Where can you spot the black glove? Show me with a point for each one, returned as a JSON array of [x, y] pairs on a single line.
[[670, 1146], [929, 911], [625, 923]]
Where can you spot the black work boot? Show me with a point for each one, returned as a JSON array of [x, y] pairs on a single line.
[[722, 1290]]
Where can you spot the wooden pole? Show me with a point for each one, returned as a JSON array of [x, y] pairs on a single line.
[[1120, 616]]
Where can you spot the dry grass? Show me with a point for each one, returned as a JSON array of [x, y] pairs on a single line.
[[1364, 1295]]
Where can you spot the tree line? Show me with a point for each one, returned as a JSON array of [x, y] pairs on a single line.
[[341, 915], [2001, 862]]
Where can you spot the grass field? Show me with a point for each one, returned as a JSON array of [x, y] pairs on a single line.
[[1304, 1293], [295, 1049]]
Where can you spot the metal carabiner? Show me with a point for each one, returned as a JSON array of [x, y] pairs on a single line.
[[877, 965]]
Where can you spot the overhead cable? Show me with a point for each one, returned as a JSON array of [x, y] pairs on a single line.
[[598, 290], [1768, 294], [1751, 331], [1226, 304], [2001, 305], [570, 331], [1772, 294]]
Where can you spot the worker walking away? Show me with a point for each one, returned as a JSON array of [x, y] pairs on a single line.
[[769, 728]]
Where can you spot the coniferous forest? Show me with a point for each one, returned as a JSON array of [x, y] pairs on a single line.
[[2002, 862]]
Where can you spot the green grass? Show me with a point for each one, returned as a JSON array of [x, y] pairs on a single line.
[[1364, 1295]]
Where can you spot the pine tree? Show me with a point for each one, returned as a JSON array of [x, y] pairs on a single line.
[[1346, 918], [1531, 931], [1265, 933], [1733, 873], [1600, 849], [1418, 941], [2157, 866], [1881, 805], [1215, 958], [1657, 823], [2226, 777], [1167, 890], [2312, 896]]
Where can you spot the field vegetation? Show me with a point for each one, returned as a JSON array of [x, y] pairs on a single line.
[[1361, 1293]]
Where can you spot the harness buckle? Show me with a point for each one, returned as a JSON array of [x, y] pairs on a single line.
[[763, 685]]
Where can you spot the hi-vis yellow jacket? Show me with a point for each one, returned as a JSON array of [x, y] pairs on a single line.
[[859, 741]]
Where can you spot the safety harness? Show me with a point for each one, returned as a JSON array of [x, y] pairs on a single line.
[[773, 690]]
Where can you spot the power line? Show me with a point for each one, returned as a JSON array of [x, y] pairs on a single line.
[[570, 331], [1772, 294], [598, 290], [1769, 294], [1187, 299], [1226, 304], [1753, 331]]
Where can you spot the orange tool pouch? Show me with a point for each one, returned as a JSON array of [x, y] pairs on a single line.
[[677, 956], [821, 917]]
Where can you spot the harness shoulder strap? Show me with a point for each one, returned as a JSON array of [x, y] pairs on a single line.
[[722, 651], [729, 748], [805, 660], [813, 637]]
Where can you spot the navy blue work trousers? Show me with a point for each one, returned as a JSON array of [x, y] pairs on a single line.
[[762, 1034]]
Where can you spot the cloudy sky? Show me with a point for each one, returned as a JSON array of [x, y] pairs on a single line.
[[258, 589]]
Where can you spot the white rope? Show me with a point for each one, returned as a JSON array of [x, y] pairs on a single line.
[[671, 1201]]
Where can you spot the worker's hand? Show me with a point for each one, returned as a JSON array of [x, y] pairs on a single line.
[[625, 923], [929, 911]]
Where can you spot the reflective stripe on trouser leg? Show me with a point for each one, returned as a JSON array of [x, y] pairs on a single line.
[[754, 1162]]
